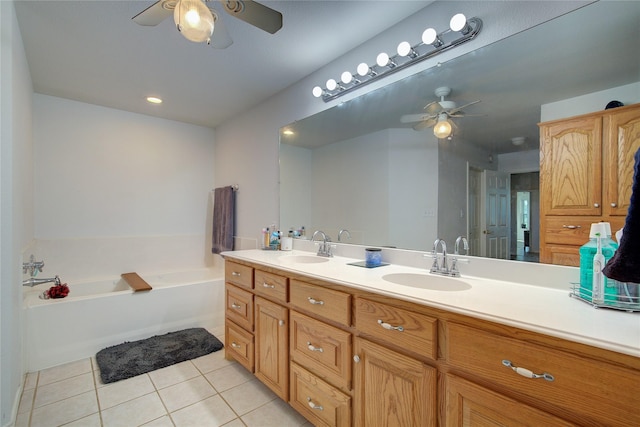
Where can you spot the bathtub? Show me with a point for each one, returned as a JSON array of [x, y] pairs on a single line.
[[106, 312]]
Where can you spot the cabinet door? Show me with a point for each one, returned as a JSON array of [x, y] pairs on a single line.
[[623, 140], [272, 346], [571, 167], [392, 389], [468, 404]]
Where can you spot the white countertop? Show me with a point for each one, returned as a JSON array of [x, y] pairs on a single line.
[[542, 309]]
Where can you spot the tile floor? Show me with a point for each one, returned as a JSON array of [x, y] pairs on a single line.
[[207, 391]]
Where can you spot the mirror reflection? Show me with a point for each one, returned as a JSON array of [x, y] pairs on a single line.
[[391, 182]]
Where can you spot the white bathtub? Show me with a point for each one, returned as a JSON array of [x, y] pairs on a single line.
[[101, 313]]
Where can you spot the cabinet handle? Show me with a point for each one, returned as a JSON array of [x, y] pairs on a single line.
[[315, 301], [313, 405], [236, 306], [281, 322], [235, 345], [266, 285], [390, 327], [596, 205], [235, 273], [613, 205], [571, 227], [313, 348], [527, 373], [356, 358]]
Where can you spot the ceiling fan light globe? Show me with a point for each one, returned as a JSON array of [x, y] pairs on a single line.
[[442, 129], [194, 20]]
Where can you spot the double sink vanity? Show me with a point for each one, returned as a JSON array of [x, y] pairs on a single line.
[[398, 346]]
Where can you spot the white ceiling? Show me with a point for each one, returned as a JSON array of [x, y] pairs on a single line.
[[91, 51]]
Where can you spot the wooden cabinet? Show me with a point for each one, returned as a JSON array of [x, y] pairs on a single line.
[[272, 346], [468, 404], [392, 389], [586, 170]]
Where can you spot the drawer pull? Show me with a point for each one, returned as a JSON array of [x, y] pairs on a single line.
[[281, 322], [235, 345], [614, 205], [236, 306], [527, 373], [356, 358], [266, 285], [315, 301], [390, 327], [235, 273], [571, 227], [313, 405], [313, 348]]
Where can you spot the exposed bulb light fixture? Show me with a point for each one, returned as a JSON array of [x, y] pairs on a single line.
[[154, 100], [442, 129], [432, 43], [194, 20]]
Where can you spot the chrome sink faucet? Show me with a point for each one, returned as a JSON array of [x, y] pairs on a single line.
[[443, 268], [325, 248], [345, 231], [454, 264]]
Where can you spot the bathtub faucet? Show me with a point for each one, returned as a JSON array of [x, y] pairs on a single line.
[[32, 281]]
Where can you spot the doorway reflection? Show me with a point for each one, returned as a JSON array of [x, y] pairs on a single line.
[[525, 216]]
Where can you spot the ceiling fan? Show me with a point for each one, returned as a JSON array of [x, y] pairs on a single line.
[[199, 22], [438, 114]]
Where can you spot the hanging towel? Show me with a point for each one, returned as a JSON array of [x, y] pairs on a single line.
[[624, 266], [223, 219]]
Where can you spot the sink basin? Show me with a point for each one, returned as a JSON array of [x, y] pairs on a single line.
[[303, 259], [427, 281]]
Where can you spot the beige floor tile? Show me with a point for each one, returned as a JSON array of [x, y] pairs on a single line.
[[212, 412], [121, 391], [65, 371], [92, 420], [134, 412], [63, 389], [65, 411], [173, 374], [229, 377], [248, 396], [212, 361], [186, 393], [276, 413], [22, 420], [26, 401], [30, 380], [235, 423], [160, 422]]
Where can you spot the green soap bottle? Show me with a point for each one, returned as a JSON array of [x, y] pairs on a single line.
[[587, 253]]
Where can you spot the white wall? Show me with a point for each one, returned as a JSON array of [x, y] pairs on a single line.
[[16, 206], [247, 147]]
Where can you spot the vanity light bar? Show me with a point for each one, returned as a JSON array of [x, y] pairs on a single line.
[[431, 44]]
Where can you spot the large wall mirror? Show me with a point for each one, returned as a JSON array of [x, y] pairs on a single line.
[[357, 167]]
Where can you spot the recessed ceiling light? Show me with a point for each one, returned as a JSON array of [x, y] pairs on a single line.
[[288, 132], [154, 100]]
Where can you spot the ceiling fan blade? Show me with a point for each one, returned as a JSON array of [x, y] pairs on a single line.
[[220, 39], [155, 14], [254, 13], [433, 108], [425, 124], [411, 118], [455, 110]]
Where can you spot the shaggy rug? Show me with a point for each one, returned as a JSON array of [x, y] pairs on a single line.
[[138, 357]]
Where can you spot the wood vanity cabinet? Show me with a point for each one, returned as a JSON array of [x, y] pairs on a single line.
[[346, 357], [586, 172]]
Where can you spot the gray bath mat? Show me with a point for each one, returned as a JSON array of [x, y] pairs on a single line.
[[138, 357]]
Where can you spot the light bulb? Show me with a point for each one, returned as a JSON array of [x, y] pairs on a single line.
[[363, 69], [346, 77], [429, 36], [154, 100], [442, 129], [332, 84], [459, 23], [317, 91], [404, 49], [194, 20], [382, 59]]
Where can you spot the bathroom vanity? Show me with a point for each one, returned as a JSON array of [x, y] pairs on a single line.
[[396, 346]]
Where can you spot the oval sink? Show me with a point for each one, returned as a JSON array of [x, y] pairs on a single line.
[[427, 281], [303, 259]]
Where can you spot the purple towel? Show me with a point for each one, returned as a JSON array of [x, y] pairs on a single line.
[[224, 205], [624, 266]]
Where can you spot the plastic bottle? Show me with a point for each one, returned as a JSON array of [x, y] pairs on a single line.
[[587, 252], [598, 277]]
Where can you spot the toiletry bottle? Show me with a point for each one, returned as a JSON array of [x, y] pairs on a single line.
[[598, 277], [587, 252]]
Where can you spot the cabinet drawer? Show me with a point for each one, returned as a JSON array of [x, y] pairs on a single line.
[[238, 274], [318, 401], [406, 329], [239, 345], [561, 255], [330, 304], [321, 348], [271, 285], [584, 390], [239, 306], [567, 230]]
